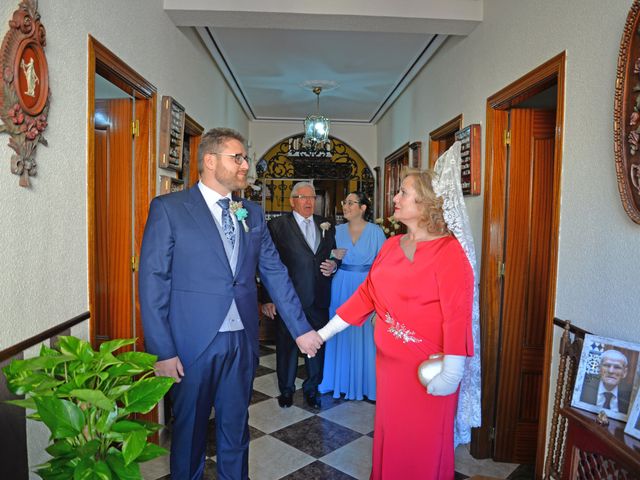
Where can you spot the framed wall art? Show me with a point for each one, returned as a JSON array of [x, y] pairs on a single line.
[[172, 123], [608, 376], [626, 116], [170, 184], [470, 154], [24, 96]]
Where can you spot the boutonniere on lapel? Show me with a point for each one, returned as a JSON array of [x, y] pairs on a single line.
[[240, 212], [324, 226]]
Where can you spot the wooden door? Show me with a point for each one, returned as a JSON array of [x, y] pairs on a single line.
[[113, 152], [527, 247]]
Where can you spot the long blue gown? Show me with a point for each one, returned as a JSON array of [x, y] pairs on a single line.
[[350, 356]]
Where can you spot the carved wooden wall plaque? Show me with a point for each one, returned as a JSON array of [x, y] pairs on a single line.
[[24, 98], [626, 116]]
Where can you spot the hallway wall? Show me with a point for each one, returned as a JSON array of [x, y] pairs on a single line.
[[598, 246], [43, 274]]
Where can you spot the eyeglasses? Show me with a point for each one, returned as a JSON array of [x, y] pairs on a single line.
[[237, 157], [349, 202], [304, 197]]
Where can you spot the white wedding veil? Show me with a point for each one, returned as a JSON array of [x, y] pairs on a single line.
[[446, 184]]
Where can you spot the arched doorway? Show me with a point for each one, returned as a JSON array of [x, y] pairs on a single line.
[[334, 170]]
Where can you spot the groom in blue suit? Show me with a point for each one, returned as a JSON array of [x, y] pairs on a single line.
[[198, 299]]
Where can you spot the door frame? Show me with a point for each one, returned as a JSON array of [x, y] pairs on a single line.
[[101, 60], [552, 71], [436, 136]]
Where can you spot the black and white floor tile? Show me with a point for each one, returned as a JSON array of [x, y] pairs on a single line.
[[299, 442]]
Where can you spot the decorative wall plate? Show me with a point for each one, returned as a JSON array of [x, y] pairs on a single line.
[[24, 98], [626, 116]]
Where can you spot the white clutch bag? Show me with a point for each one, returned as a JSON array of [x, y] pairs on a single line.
[[430, 368]]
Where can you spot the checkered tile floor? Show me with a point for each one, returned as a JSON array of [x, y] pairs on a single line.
[[303, 443]]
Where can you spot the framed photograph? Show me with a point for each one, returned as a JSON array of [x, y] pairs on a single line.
[[633, 423], [608, 376]]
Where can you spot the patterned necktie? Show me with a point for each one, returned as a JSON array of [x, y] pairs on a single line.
[[607, 399], [307, 232], [227, 221]]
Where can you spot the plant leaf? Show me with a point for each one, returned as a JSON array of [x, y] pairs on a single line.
[[140, 359], [125, 369], [102, 471], [61, 448], [151, 451], [150, 426], [75, 347], [35, 363], [64, 418], [49, 473], [133, 445], [84, 469], [94, 397], [105, 422], [145, 394], [106, 360], [126, 426], [89, 449], [113, 345], [24, 403], [115, 392], [124, 472], [34, 382]]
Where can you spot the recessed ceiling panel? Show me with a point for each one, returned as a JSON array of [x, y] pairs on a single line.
[[270, 65]]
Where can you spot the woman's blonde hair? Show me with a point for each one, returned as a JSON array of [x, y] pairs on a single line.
[[432, 214]]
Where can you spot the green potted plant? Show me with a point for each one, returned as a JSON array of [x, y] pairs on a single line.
[[87, 399]]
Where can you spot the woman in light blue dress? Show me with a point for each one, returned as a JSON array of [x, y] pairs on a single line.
[[350, 356]]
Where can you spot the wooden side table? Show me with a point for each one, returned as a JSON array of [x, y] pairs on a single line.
[[595, 451]]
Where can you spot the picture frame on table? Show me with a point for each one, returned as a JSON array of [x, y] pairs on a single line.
[[608, 376], [633, 422]]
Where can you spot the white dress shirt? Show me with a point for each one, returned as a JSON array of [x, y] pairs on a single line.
[[211, 198]]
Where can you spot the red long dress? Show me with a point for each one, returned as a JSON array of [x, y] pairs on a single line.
[[423, 307]]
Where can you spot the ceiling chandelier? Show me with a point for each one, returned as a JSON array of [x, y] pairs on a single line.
[[316, 126]]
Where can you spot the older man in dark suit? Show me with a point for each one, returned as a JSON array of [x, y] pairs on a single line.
[[304, 241], [606, 390]]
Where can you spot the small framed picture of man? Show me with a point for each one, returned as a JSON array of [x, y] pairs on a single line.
[[633, 423], [607, 377]]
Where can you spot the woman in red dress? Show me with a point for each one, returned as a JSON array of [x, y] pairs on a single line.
[[421, 287]]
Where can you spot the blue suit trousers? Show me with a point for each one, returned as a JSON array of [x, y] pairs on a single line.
[[221, 377]]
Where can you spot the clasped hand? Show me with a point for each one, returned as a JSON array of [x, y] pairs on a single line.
[[328, 267], [309, 343]]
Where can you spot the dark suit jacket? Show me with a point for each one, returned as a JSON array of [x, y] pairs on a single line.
[[186, 284], [589, 392], [313, 288]]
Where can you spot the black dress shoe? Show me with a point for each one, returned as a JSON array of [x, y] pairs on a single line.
[[312, 400], [285, 400]]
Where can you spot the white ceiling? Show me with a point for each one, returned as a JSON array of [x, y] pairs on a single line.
[[268, 49]]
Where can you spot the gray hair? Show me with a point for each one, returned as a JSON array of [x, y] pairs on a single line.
[[214, 139], [300, 185], [614, 355]]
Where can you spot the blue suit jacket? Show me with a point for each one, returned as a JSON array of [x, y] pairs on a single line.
[[186, 285]]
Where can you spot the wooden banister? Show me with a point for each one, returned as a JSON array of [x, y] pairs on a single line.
[[52, 332]]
